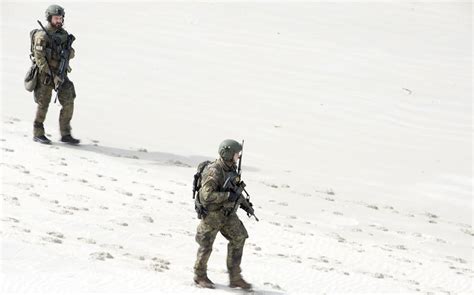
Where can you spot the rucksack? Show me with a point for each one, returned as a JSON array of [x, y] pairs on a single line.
[[198, 206], [32, 40]]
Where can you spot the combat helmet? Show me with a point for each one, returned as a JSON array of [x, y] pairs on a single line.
[[228, 148], [54, 9]]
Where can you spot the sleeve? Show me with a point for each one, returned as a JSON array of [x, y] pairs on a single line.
[[72, 53], [39, 51], [209, 193]]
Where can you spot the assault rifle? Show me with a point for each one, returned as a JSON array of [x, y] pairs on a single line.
[[235, 184], [64, 59]]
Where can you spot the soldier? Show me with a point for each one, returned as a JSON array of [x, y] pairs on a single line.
[[219, 218], [46, 52]]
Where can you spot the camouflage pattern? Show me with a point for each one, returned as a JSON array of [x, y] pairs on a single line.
[[217, 220], [44, 50]]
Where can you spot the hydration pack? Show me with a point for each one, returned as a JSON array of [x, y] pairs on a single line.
[[198, 206]]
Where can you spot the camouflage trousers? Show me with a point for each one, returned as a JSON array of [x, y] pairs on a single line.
[[232, 229], [42, 95]]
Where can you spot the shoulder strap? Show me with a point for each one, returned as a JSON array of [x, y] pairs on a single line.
[[198, 176]]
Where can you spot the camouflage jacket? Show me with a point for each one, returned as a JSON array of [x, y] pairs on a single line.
[[211, 193], [45, 49]]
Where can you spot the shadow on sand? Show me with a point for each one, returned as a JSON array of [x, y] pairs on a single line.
[[159, 158], [240, 291]]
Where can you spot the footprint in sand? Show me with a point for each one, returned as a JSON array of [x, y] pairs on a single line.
[[457, 259], [8, 150], [25, 186], [124, 192], [87, 240], [98, 187], [10, 219], [52, 240], [76, 208], [148, 219], [339, 238], [398, 247], [26, 230], [56, 234], [272, 185], [431, 215], [467, 231], [159, 264], [119, 223], [273, 286], [323, 268], [11, 200], [62, 212], [102, 256]]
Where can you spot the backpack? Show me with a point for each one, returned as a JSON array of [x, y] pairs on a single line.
[[198, 206], [32, 40]]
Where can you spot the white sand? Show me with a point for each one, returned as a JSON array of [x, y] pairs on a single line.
[[357, 119]]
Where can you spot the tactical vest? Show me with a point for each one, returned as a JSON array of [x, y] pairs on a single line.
[[54, 45]]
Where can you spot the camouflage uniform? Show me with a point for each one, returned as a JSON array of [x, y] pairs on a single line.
[[230, 226], [45, 50]]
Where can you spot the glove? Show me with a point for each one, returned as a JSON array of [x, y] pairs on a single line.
[[57, 81], [233, 196]]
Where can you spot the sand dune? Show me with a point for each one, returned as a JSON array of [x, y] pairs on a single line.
[[357, 120]]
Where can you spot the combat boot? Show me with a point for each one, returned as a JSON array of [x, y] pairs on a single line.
[[69, 139], [204, 282], [42, 139], [240, 282]]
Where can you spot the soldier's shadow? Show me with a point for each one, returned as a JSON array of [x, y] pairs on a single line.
[[240, 291], [159, 158]]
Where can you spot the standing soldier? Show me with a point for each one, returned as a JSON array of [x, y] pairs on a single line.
[[48, 45], [220, 217]]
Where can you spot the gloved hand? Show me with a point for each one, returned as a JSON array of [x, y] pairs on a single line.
[[233, 196], [57, 81]]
